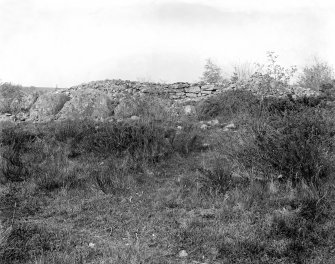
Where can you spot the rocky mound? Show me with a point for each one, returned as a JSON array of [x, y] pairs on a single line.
[[104, 99]]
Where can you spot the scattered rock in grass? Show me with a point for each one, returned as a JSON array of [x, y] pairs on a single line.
[[273, 187], [183, 254], [230, 126], [203, 126], [207, 213], [135, 117], [47, 106], [91, 245], [189, 110], [213, 122]]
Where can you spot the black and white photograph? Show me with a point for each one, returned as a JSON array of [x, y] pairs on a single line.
[[167, 132]]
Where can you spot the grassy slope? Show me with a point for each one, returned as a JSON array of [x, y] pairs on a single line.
[[166, 209]]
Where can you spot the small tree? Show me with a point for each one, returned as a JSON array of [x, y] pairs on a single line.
[[274, 71], [212, 73], [320, 72], [272, 76]]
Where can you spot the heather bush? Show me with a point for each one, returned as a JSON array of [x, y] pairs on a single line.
[[227, 105], [142, 140], [294, 145], [68, 130], [147, 107], [286, 105]]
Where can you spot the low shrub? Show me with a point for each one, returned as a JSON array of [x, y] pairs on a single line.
[[8, 93], [147, 107], [227, 104], [142, 140], [316, 74], [70, 129], [286, 105], [295, 145]]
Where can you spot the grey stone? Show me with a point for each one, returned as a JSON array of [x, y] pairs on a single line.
[[189, 110], [48, 105], [208, 87], [193, 89], [87, 103], [191, 95]]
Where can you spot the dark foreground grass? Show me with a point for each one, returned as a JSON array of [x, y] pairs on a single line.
[[84, 192]]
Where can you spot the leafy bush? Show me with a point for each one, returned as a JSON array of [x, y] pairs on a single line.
[[227, 104], [283, 106], [274, 71], [9, 92], [313, 76], [267, 79]]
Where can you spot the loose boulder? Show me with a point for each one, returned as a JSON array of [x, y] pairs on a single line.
[[47, 106], [87, 103]]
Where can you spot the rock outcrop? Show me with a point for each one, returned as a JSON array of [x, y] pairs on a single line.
[[122, 99], [47, 106], [117, 89], [87, 103]]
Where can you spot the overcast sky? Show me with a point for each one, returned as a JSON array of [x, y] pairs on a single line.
[[68, 42]]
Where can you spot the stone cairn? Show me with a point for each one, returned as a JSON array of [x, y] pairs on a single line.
[[181, 91]]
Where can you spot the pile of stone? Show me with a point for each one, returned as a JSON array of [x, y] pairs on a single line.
[[117, 89], [100, 99]]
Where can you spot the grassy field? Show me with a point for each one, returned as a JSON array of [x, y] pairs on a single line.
[[166, 191]]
